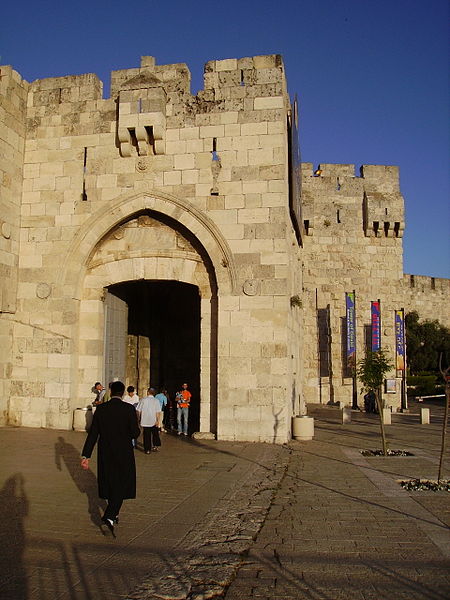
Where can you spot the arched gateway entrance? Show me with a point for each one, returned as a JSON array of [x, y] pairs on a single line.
[[152, 337], [164, 262]]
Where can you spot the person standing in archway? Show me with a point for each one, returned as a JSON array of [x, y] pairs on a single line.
[[183, 401]]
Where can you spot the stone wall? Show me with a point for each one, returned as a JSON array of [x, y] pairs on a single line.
[[353, 242], [13, 100], [216, 164], [429, 296], [211, 177]]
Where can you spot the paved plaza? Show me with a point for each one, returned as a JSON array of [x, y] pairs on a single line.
[[239, 521]]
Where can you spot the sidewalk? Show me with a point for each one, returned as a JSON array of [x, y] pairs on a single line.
[[189, 495], [341, 527], [314, 520]]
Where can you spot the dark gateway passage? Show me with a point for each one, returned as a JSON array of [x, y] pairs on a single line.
[[168, 314]]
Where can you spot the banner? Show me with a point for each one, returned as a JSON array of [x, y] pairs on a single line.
[[376, 325], [399, 340], [350, 319]]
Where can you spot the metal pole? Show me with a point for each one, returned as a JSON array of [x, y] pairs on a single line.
[[404, 396]]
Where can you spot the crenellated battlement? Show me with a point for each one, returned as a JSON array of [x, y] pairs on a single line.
[[424, 283], [59, 90], [335, 194]]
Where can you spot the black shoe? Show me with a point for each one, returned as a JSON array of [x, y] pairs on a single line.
[[109, 524]]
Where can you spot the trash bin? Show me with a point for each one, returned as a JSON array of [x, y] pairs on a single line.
[[303, 428], [82, 418]]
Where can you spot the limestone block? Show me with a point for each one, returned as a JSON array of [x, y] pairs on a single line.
[[32, 419], [189, 133], [172, 178], [230, 187], [229, 64], [184, 161], [212, 131], [227, 335], [227, 217], [189, 177], [252, 215], [247, 142], [235, 201], [268, 102], [260, 156], [195, 146], [254, 128], [254, 187]]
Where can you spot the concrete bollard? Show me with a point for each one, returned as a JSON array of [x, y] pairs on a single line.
[[425, 416], [346, 415], [387, 414], [82, 419], [303, 428]]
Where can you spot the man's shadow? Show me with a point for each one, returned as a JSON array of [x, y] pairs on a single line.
[[14, 507], [85, 481]]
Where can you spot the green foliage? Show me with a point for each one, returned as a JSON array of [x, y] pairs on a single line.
[[372, 369], [424, 385], [424, 343]]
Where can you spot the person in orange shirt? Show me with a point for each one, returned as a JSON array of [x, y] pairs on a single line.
[[183, 401]]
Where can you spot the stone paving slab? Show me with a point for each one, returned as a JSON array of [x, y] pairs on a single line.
[[52, 545], [314, 520], [341, 526]]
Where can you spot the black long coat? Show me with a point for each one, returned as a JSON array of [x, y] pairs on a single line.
[[115, 425]]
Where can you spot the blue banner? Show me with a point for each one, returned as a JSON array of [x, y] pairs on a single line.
[[376, 325], [350, 318], [399, 340]]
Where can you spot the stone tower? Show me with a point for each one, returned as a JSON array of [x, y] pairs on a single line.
[[160, 237]]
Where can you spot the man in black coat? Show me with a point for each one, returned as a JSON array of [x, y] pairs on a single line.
[[115, 426]]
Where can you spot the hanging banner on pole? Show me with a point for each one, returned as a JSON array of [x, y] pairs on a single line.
[[399, 340], [376, 325], [350, 318]]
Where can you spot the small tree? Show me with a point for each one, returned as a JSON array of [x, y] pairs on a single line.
[[371, 371]]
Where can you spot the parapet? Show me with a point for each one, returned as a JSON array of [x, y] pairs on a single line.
[[72, 88], [175, 78], [335, 190], [265, 74]]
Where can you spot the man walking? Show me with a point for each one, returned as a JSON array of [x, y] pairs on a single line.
[[149, 412], [114, 425], [183, 401]]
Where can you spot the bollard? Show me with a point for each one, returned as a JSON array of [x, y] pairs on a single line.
[[303, 428], [387, 416], [346, 415], [82, 419], [425, 416]]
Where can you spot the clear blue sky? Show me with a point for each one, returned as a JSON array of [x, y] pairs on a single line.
[[372, 77]]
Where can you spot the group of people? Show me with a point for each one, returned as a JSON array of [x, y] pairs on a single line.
[[115, 425], [167, 409]]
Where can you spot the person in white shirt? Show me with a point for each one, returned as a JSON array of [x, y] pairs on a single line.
[[131, 397], [149, 414]]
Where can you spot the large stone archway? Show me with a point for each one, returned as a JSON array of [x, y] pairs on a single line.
[[146, 244], [189, 218]]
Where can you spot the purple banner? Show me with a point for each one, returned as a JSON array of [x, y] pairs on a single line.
[[350, 318], [399, 340], [376, 325]]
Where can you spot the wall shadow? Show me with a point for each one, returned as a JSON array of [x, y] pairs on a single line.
[[85, 481], [14, 509]]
